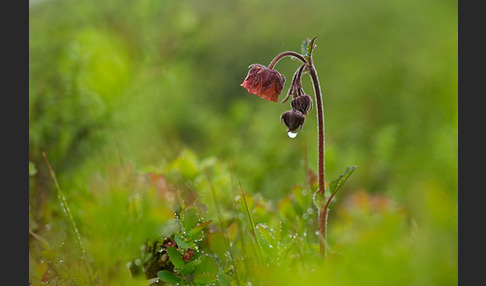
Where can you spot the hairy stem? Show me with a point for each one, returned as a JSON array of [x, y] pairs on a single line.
[[321, 160], [284, 54]]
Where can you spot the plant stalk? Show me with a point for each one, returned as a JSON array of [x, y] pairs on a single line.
[[69, 215], [324, 206], [321, 159], [284, 54]]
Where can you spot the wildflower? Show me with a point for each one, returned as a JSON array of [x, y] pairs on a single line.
[[302, 103], [264, 82], [293, 119]]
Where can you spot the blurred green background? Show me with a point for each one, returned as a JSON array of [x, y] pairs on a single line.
[[112, 82]]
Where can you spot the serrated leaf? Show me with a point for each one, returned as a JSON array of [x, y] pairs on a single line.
[[336, 184], [304, 47], [208, 264], [182, 244], [189, 267], [168, 277], [265, 237], [198, 228], [205, 278], [284, 248], [175, 257], [190, 217], [333, 184]]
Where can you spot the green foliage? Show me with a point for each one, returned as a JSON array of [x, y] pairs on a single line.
[[138, 106]]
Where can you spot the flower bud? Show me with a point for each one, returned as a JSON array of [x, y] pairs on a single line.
[[264, 82], [293, 120], [302, 103]]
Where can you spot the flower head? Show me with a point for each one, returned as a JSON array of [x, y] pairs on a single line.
[[264, 82], [302, 103], [293, 120]]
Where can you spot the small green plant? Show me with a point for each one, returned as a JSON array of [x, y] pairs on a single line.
[[178, 257], [268, 83]]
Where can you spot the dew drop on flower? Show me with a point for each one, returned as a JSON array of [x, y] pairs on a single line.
[[292, 134]]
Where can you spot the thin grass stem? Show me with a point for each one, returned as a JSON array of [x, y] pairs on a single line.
[[69, 215]]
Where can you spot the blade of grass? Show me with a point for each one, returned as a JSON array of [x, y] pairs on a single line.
[[68, 213], [223, 229], [251, 224]]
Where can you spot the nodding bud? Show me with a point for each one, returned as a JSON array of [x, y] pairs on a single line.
[[293, 120], [302, 103], [264, 82]]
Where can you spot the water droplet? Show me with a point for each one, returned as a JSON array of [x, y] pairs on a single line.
[[292, 134]]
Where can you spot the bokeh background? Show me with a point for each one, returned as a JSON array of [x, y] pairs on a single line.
[[112, 82]]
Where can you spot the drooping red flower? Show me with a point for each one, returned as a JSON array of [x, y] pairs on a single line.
[[293, 120], [264, 82]]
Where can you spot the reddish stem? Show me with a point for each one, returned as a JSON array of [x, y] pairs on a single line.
[[284, 54], [323, 208], [321, 158]]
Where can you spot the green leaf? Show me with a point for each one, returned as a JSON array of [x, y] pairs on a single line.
[[300, 195], [286, 209], [49, 254], [264, 236], [41, 269], [336, 184], [284, 248], [175, 257], [205, 278], [217, 244], [168, 277], [208, 264], [198, 228], [224, 280], [232, 231], [189, 267], [249, 202], [182, 244], [190, 217], [304, 47]]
